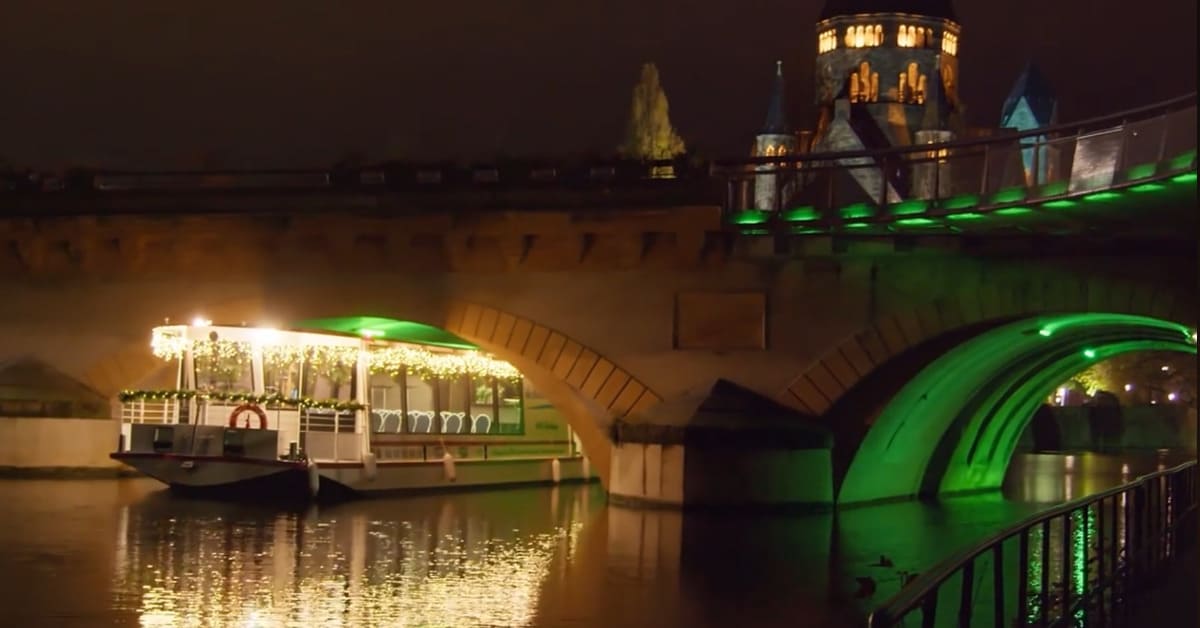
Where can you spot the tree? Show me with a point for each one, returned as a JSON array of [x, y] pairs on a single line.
[[650, 135], [1144, 373]]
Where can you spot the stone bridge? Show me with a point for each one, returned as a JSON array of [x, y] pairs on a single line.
[[700, 361]]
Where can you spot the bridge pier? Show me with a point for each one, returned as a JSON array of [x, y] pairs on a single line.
[[727, 448]]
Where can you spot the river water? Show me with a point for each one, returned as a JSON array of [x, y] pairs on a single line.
[[126, 553]]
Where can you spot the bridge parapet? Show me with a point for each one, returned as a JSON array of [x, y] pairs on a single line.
[[1008, 181], [1056, 179]]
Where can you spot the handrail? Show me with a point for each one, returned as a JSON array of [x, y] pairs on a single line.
[[1131, 115], [1113, 120], [925, 585]]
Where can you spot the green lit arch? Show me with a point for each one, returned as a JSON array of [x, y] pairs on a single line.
[[954, 426]]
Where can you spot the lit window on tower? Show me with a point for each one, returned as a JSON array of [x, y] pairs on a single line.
[[950, 44], [864, 84], [911, 86], [864, 36], [827, 41], [913, 36]]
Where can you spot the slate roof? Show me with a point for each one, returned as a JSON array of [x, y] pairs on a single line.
[[1031, 86], [776, 123]]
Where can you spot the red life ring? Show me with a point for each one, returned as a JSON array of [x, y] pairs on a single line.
[[262, 416]]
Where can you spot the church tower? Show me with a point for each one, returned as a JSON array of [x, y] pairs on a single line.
[[891, 68], [775, 138]]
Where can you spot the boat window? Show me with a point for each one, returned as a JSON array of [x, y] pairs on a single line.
[[223, 366], [454, 397], [483, 404], [421, 404], [511, 402], [281, 371]]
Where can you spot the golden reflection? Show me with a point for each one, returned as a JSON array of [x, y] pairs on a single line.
[[446, 568]]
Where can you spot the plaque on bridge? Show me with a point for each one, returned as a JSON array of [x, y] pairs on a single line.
[[721, 320]]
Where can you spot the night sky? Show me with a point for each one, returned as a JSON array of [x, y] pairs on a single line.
[[262, 83]]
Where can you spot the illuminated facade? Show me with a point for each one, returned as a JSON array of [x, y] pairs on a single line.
[[895, 62]]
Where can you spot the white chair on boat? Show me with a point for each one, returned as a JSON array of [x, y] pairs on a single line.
[[451, 422], [410, 423], [482, 423], [424, 421], [376, 422], [390, 423]]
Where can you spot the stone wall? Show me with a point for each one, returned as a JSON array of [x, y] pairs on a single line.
[[58, 445]]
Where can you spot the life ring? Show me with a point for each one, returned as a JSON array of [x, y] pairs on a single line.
[[262, 416]]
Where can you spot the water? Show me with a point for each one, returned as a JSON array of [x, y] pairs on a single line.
[[126, 553]]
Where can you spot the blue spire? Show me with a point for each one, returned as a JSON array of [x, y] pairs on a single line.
[[1033, 88], [776, 123]]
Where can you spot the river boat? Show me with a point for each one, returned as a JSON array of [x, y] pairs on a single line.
[[355, 407]]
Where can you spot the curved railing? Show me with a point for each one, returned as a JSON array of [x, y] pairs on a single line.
[[944, 185], [1079, 563], [954, 183]]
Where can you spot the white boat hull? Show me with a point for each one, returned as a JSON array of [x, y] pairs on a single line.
[[220, 476]]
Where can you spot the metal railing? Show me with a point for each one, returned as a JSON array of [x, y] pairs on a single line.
[[932, 179], [1078, 564], [152, 411]]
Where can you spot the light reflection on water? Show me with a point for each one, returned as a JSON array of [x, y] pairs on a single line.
[[124, 553]]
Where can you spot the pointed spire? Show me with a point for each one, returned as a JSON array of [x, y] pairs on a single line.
[[1032, 87], [776, 123]]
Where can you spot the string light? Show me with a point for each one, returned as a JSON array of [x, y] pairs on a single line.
[[169, 343], [429, 365], [127, 396], [228, 357]]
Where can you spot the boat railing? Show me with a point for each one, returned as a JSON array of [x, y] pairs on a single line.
[[150, 411], [1076, 564], [426, 450]]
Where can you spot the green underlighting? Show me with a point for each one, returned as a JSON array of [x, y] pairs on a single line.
[[1010, 195], [857, 225], [1054, 189], [1013, 211], [800, 214], [965, 216], [750, 217], [916, 222], [1059, 204], [1140, 172], [1183, 160], [857, 210], [387, 329], [957, 421], [806, 231], [1184, 178], [908, 208], [1148, 187], [1100, 196], [756, 232], [961, 201]]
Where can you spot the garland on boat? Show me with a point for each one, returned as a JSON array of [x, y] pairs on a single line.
[[127, 396], [227, 358]]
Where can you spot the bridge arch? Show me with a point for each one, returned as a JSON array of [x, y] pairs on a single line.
[[860, 385], [588, 388], [953, 427]]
